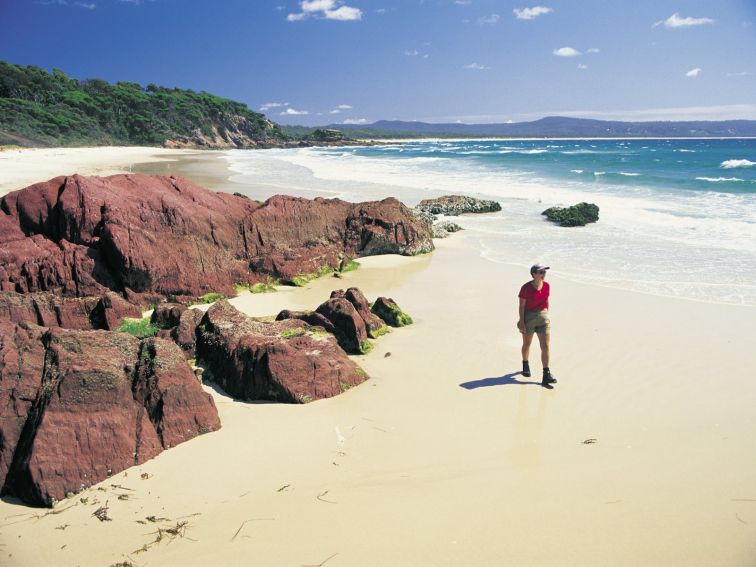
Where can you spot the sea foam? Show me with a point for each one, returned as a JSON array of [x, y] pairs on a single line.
[[733, 163], [718, 179]]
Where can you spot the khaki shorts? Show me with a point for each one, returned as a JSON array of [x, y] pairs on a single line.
[[537, 322]]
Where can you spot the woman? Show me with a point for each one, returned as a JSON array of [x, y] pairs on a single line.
[[534, 318]]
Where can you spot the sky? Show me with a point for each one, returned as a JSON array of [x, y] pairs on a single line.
[[317, 62]]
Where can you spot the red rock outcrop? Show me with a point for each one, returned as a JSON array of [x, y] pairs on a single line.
[[49, 310], [185, 333], [387, 309], [347, 316], [351, 331], [78, 406], [149, 237], [285, 361], [22, 360], [373, 324], [167, 315]]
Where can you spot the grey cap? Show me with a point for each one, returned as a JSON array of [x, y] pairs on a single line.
[[536, 267]]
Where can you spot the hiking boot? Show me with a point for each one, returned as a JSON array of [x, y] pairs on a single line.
[[526, 369], [548, 379]]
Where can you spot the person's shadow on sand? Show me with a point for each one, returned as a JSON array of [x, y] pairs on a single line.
[[497, 381]]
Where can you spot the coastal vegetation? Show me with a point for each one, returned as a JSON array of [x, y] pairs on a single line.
[[41, 108], [390, 312], [268, 286], [211, 297], [139, 328], [301, 280]]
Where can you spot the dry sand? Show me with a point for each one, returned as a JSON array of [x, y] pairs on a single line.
[[20, 168], [446, 456]]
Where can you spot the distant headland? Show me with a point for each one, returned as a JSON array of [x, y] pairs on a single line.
[[41, 109]]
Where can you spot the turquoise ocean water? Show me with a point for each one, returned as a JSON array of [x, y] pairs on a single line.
[[678, 217]]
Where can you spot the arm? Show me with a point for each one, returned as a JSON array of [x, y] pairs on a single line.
[[521, 320]]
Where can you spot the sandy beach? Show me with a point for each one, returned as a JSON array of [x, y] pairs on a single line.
[[20, 168], [446, 456]]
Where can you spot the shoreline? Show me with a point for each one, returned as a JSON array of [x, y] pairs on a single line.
[[207, 168], [446, 455]]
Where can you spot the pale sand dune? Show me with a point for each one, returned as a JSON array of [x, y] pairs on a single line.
[[410, 468], [21, 168]]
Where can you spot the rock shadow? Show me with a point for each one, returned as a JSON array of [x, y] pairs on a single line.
[[504, 380]]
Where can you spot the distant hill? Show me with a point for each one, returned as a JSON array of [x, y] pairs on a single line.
[[554, 127], [38, 108]]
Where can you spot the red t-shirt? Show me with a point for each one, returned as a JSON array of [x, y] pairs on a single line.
[[535, 300]]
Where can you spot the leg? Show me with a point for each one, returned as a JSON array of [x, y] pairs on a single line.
[[526, 340], [543, 339]]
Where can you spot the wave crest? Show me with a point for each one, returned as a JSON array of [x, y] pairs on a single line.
[[718, 179], [733, 163]]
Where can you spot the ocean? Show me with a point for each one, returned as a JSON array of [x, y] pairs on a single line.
[[677, 217]]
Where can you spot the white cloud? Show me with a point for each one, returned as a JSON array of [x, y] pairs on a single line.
[[593, 50], [293, 112], [566, 52], [344, 107], [334, 111], [463, 2], [325, 9], [582, 66], [269, 105], [415, 53], [676, 21], [66, 3], [693, 72], [476, 66], [488, 20], [344, 14], [531, 13], [355, 121], [740, 74]]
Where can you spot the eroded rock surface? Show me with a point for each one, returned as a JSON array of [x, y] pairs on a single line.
[[286, 361], [49, 310], [152, 237], [78, 406], [453, 205]]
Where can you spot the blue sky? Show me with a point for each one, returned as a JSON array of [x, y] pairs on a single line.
[[317, 62]]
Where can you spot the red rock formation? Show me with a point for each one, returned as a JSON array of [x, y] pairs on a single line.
[[387, 309], [149, 237], [49, 310], [373, 324], [78, 406], [22, 359], [185, 333], [167, 315], [168, 388], [312, 318], [352, 333], [284, 361]]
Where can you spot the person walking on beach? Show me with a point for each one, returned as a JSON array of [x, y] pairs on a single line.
[[534, 318]]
